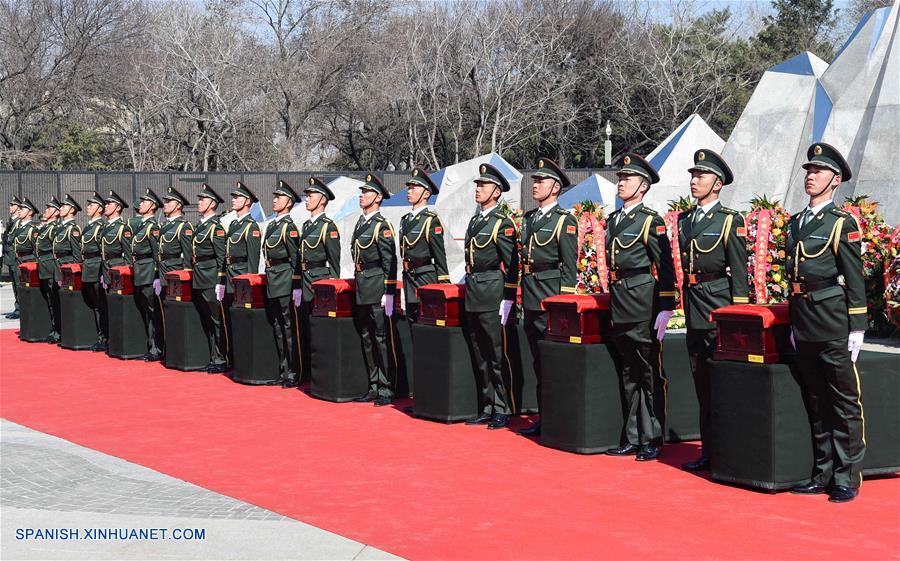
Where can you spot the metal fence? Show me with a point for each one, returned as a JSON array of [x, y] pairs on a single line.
[[39, 186]]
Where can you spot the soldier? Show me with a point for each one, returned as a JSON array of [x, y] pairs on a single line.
[[828, 320], [636, 240], [549, 256], [283, 285], [242, 245], [492, 280], [47, 268], [9, 256], [714, 263], [208, 258], [115, 250], [91, 255], [421, 242], [144, 250], [23, 242], [320, 258], [174, 249], [375, 266], [67, 239]]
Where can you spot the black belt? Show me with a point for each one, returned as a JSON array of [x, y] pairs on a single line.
[[229, 260], [203, 258], [616, 275], [25, 255], [63, 254], [277, 261], [144, 255], [413, 263], [109, 257], [696, 278], [471, 269], [307, 265], [170, 256], [360, 267], [90, 254], [801, 288], [531, 268], [43, 253]]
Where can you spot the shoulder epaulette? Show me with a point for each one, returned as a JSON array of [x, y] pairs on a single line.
[[560, 210], [650, 211], [727, 210], [839, 212]]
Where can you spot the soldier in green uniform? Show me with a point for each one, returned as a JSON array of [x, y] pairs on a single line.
[[208, 258], [91, 260], [636, 241], [828, 319], [175, 247], [320, 258], [713, 246], [115, 251], [9, 256], [492, 280], [144, 251], [47, 268], [243, 240], [549, 257], [67, 238], [281, 241], [421, 242], [23, 242], [375, 266]]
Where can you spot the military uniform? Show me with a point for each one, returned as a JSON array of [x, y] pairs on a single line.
[[421, 247], [48, 271], [9, 257], [144, 252], [492, 276], [320, 258], [549, 263], [636, 242], [821, 246], [23, 241], [91, 256], [208, 258], [375, 268], [175, 248], [714, 266], [243, 240], [281, 241]]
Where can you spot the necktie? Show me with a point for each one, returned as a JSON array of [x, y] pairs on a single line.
[[698, 215], [807, 214]]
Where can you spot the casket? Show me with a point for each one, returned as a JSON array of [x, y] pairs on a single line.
[[753, 333], [178, 285], [28, 275], [441, 304], [121, 279], [71, 276], [577, 318], [249, 291], [333, 298]]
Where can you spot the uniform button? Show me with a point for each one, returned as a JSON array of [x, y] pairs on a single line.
[[802, 278], [684, 254], [617, 252], [803, 259]]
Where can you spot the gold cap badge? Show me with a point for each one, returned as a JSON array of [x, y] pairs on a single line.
[[483, 168], [540, 163], [701, 156], [626, 160], [368, 178], [817, 150], [312, 181], [415, 173]]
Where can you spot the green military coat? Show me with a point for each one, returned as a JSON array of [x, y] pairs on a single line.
[[422, 251], [23, 242], [320, 253], [549, 255], [174, 250], [633, 244], [90, 251], [9, 255], [827, 246], [47, 268], [374, 259], [242, 244], [208, 254], [144, 249], [492, 261], [281, 251], [67, 245], [115, 246], [710, 248]]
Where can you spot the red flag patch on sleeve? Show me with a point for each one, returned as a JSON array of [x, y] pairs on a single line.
[[571, 229], [388, 233], [294, 233], [853, 236], [334, 234], [155, 232], [127, 234], [188, 232], [256, 233], [660, 230], [438, 230], [741, 232], [220, 233], [75, 233], [509, 231]]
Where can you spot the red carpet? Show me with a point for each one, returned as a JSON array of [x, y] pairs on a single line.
[[419, 489]]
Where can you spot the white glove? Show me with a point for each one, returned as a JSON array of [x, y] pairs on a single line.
[[388, 302], [662, 320], [103, 283], [296, 296], [505, 307], [793, 341], [854, 343], [220, 292], [59, 283], [157, 286]]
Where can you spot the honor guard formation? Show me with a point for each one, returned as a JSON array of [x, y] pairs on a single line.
[[502, 264]]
